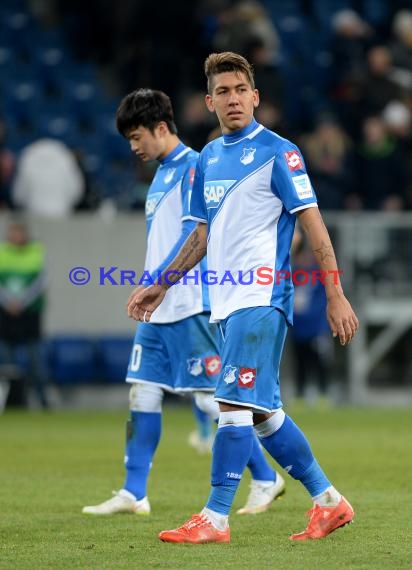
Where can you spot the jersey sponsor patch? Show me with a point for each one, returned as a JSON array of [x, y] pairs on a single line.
[[293, 160], [247, 377], [302, 186], [213, 365], [215, 190], [194, 366]]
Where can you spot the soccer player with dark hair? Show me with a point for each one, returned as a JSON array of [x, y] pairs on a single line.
[[177, 351], [249, 227]]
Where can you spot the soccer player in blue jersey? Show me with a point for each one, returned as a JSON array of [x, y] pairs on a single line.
[[177, 351], [250, 185]]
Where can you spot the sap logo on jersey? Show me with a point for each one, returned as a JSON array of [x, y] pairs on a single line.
[[151, 203], [215, 190]]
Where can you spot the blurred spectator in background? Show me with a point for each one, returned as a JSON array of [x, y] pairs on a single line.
[[7, 163], [397, 117], [310, 339], [380, 168], [379, 84], [328, 152], [401, 47], [196, 121], [240, 23], [267, 73], [397, 120], [351, 36], [22, 298], [49, 181]]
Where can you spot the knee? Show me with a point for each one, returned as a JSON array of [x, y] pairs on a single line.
[[206, 402], [145, 398]]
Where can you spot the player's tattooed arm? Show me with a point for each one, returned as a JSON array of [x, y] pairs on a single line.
[[342, 319], [143, 301], [312, 222], [193, 250]]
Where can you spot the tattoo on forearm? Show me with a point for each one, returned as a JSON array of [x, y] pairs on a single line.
[[191, 254], [192, 251], [324, 251]]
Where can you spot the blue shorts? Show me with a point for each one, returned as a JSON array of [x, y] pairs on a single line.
[[253, 341], [181, 356]]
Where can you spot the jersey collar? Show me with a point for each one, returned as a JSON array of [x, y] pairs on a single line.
[[241, 133], [175, 152]]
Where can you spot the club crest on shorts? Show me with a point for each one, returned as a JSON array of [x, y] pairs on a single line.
[[194, 366], [213, 365], [229, 374], [247, 377], [248, 155]]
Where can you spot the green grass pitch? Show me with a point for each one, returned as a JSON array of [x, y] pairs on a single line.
[[52, 464]]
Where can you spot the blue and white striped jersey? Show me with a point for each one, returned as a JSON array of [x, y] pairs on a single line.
[[167, 205], [248, 187]]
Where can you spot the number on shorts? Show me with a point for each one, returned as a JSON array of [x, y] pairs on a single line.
[[136, 358]]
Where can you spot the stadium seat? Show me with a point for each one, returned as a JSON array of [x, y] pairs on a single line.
[[73, 360], [113, 355]]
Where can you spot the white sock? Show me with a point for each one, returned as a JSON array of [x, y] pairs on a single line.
[[329, 498], [127, 494], [263, 483], [219, 521]]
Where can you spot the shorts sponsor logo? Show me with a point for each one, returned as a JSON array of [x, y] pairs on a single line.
[[293, 160], [229, 374], [194, 366], [247, 377], [248, 156], [213, 365], [302, 186]]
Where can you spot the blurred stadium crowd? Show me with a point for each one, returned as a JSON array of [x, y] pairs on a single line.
[[334, 75]]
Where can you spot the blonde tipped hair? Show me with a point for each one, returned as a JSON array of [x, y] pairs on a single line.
[[227, 61]]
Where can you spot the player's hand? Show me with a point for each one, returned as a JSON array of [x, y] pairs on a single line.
[[342, 319], [143, 301]]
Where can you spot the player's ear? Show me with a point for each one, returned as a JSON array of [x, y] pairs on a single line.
[[256, 98], [209, 103], [162, 128]]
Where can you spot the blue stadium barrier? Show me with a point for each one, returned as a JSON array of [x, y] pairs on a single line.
[[113, 356], [73, 360]]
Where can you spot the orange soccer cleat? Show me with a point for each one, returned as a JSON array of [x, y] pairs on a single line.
[[324, 520], [197, 530]]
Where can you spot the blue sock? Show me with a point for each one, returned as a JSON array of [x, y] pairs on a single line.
[[231, 452], [203, 422], [290, 448], [259, 466], [143, 435]]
